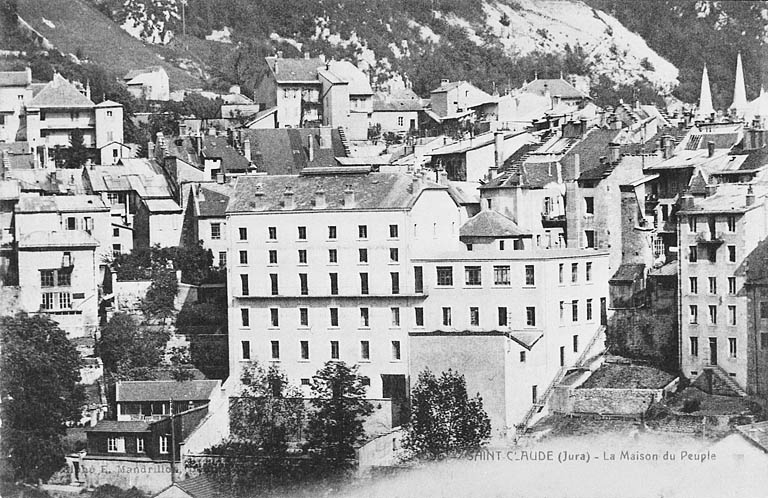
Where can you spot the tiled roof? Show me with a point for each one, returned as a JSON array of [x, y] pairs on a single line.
[[212, 200], [14, 78], [372, 191], [60, 93], [199, 487], [217, 147], [667, 270], [628, 273], [60, 204], [118, 426], [557, 88], [162, 390], [490, 223], [284, 151], [697, 185], [383, 104], [358, 81], [757, 432], [755, 265], [755, 159], [590, 148], [294, 70], [729, 198], [183, 149], [66, 238]]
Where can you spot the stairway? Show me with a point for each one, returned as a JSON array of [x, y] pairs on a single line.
[[727, 379], [344, 141]]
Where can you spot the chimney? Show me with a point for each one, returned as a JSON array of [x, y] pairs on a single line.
[[614, 152], [442, 177], [288, 197], [150, 149], [710, 189], [259, 190], [603, 160], [349, 196], [710, 149], [279, 54], [310, 147], [668, 146], [247, 148], [306, 55], [319, 197], [499, 149], [220, 178], [750, 196], [576, 166], [444, 82]]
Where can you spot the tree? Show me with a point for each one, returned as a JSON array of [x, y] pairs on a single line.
[[161, 294], [181, 364], [40, 394], [444, 420], [336, 425], [127, 350], [77, 153]]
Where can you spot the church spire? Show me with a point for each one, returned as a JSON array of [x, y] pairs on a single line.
[[705, 97], [739, 92]]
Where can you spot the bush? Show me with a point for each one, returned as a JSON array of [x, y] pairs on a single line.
[[691, 405]]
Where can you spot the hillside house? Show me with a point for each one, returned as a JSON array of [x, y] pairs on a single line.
[[150, 83]]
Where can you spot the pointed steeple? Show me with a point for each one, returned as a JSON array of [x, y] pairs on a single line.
[[705, 97], [739, 105]]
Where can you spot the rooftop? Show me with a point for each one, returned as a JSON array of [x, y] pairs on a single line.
[[60, 93], [729, 198], [217, 147], [285, 151], [120, 426], [628, 273], [625, 376], [212, 199], [66, 238], [757, 432], [556, 87], [294, 70], [60, 204], [490, 223], [199, 487], [165, 390]]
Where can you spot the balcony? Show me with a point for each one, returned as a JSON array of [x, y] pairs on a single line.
[[709, 238]]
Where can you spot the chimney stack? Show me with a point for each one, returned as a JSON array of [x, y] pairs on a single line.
[[614, 152], [247, 148], [310, 147], [499, 149], [349, 196], [750, 196], [288, 197], [259, 190], [306, 55], [710, 149], [576, 166], [710, 189], [220, 178], [150, 149], [668, 146], [319, 197]]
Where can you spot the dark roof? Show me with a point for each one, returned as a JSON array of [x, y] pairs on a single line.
[[620, 376], [490, 223], [284, 151], [120, 426], [510, 174], [590, 149], [217, 147], [756, 159], [698, 141], [294, 69], [164, 390], [557, 88], [60, 93], [199, 487], [755, 265], [628, 273], [372, 191], [214, 200], [383, 104], [697, 185]]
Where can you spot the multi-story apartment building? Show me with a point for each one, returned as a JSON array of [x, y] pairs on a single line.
[[716, 234], [508, 315], [318, 269]]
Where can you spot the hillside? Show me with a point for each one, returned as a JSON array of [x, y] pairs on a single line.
[[76, 27]]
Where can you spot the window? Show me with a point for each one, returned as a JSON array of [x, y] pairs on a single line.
[[273, 284], [694, 346], [272, 257], [763, 310], [304, 350], [575, 310], [363, 255], [303, 284], [243, 257], [164, 445], [444, 275], [274, 317], [365, 350], [474, 316], [245, 317], [365, 318], [362, 231], [331, 232], [304, 317], [418, 277], [115, 232], [574, 272], [575, 343], [764, 340], [215, 231], [732, 347], [503, 316], [302, 256], [395, 312], [469, 247], [71, 224], [271, 233], [394, 255], [693, 254], [589, 310], [139, 445], [419, 312], [561, 273], [243, 233], [395, 278], [713, 314], [275, 350], [334, 277], [693, 314], [713, 285], [305, 381], [393, 231], [333, 256], [562, 312], [245, 348], [530, 316], [731, 222], [731, 285], [222, 259], [65, 300], [334, 317], [589, 205], [244, 285], [472, 275], [501, 275], [334, 350], [302, 233], [534, 394], [694, 285], [530, 276], [395, 350], [692, 223], [732, 254], [116, 445], [363, 283], [712, 253], [400, 121], [732, 315], [46, 278], [447, 316], [522, 356], [589, 272]]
